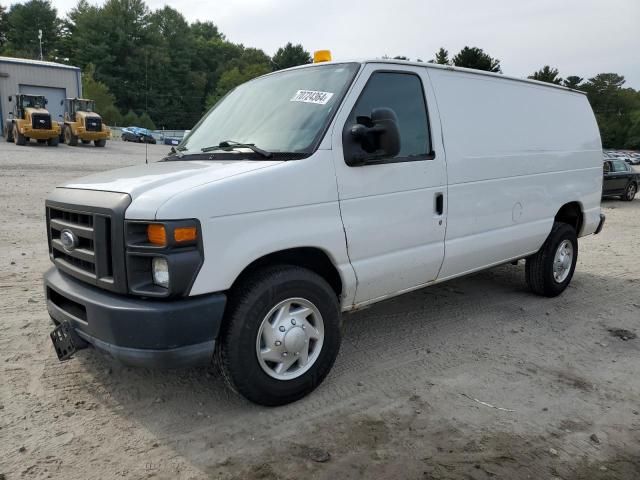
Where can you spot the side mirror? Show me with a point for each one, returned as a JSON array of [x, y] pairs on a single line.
[[10, 98], [61, 102], [378, 135], [46, 101]]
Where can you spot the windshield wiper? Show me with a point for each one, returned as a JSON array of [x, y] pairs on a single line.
[[231, 144]]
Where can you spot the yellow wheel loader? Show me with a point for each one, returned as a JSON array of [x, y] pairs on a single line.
[[81, 122], [30, 119]]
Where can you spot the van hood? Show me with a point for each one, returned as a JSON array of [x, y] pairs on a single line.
[[150, 186]]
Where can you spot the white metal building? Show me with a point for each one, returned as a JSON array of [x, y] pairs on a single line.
[[55, 81]]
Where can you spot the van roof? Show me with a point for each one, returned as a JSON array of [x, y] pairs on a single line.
[[451, 68]]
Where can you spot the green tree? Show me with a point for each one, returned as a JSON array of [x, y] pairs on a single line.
[[547, 74], [3, 26], [633, 133], [442, 57], [131, 119], [473, 57], [95, 90], [23, 23], [111, 115], [616, 109], [573, 81], [145, 121], [290, 56]]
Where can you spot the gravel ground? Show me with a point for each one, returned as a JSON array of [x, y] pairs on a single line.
[[476, 378]]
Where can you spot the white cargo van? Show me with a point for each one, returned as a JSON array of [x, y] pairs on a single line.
[[314, 191]]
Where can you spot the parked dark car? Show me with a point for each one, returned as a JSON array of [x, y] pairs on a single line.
[[620, 180], [135, 134]]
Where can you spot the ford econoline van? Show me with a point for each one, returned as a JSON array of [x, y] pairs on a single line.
[[314, 191]]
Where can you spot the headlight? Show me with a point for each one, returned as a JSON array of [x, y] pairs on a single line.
[[160, 270], [163, 256]]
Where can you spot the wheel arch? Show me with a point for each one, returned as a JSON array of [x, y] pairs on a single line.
[[572, 214], [312, 258]]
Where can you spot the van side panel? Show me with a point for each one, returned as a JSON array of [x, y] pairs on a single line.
[[516, 152]]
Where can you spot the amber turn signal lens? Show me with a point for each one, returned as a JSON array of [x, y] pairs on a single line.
[[185, 234], [156, 234]]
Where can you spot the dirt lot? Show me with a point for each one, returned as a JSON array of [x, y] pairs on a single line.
[[473, 379]]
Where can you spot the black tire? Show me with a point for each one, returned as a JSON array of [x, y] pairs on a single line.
[[124, 139], [53, 142], [42, 141], [69, 138], [249, 304], [539, 267], [100, 143], [8, 133], [18, 138], [630, 192], [86, 142]]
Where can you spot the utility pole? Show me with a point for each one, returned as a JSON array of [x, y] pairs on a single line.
[[40, 40]]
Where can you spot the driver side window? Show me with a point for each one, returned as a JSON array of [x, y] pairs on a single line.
[[403, 93]]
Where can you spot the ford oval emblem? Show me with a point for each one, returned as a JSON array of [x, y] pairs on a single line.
[[69, 240]]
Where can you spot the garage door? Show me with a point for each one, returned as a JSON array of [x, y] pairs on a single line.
[[53, 95]]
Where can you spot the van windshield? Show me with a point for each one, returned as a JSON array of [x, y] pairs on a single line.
[[286, 111]]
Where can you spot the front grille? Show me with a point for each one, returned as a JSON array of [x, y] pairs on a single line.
[[83, 256], [41, 121], [93, 124], [92, 223]]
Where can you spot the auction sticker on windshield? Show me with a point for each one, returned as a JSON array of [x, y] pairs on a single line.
[[311, 96]]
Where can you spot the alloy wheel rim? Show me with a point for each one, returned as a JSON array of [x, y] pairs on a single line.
[[290, 339], [631, 192], [562, 261]]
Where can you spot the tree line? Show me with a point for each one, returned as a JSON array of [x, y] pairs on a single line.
[[155, 69], [150, 68]]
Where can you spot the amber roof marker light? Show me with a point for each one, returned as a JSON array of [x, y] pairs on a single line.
[[320, 56]]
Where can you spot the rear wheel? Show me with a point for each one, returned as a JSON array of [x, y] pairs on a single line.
[[86, 142], [630, 192], [100, 143], [69, 137], [18, 138], [8, 133], [53, 142], [550, 270], [281, 336]]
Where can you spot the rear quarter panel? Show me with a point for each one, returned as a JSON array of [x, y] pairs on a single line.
[[516, 152]]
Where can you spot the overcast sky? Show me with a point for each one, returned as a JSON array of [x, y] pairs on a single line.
[[579, 37]]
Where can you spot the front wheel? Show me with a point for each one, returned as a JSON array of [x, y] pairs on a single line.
[[630, 192], [53, 142], [100, 143], [69, 138], [550, 270], [281, 336], [18, 138]]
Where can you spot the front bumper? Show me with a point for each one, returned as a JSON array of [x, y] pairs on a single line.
[[139, 332], [40, 134], [83, 134]]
